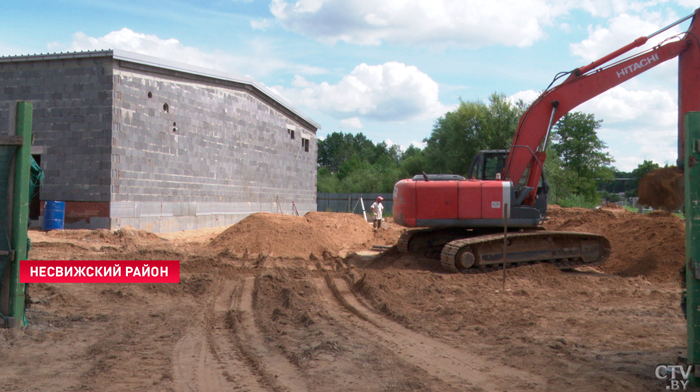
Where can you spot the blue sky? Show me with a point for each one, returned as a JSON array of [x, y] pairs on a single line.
[[386, 68]]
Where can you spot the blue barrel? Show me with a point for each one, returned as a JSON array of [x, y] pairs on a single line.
[[54, 214]]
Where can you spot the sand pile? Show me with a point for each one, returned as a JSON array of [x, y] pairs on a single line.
[[662, 188], [294, 236], [126, 236], [650, 245], [612, 206]]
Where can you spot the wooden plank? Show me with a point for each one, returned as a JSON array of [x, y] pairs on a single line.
[[11, 140]]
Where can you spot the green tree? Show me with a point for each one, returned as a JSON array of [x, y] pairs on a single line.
[[557, 177], [643, 168], [577, 144], [413, 161], [327, 182], [338, 147], [460, 134], [353, 163]]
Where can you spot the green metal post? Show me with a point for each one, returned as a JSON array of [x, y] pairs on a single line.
[[20, 218], [692, 237]]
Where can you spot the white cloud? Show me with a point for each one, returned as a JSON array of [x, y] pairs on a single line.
[[466, 23], [621, 30], [260, 24], [151, 45], [53, 46], [655, 109], [415, 144], [387, 92], [688, 3], [641, 144], [527, 96], [607, 8], [637, 125], [640, 117], [469, 23], [258, 61], [352, 122], [419, 145]]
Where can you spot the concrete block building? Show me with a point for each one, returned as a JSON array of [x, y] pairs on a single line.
[[126, 139]]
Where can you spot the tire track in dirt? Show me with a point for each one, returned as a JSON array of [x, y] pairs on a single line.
[[206, 358], [454, 366], [268, 361]]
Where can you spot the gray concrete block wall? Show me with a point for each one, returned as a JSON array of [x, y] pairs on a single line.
[[218, 153], [193, 218], [72, 102], [219, 148]]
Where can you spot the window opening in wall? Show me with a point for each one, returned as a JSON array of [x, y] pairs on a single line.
[[305, 144], [35, 203], [150, 94], [291, 133], [174, 127], [166, 108]]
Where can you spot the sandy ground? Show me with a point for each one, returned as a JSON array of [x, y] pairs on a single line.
[[285, 304]]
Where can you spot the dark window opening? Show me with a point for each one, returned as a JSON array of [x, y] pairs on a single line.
[[291, 134], [493, 165], [174, 127], [150, 94], [35, 201], [166, 108], [305, 144]]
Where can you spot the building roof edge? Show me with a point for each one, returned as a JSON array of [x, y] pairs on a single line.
[[124, 55]]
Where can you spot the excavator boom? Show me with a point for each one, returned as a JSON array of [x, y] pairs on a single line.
[[466, 216], [590, 81]]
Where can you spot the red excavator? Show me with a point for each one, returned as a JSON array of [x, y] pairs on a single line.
[[505, 193]]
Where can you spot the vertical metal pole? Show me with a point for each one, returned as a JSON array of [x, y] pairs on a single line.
[[692, 238], [20, 218], [505, 242], [543, 147], [362, 203]]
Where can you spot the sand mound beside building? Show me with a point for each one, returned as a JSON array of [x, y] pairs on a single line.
[[650, 245], [297, 236]]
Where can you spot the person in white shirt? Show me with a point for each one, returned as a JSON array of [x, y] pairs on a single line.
[[377, 210]]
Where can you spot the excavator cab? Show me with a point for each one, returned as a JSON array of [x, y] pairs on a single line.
[[486, 164]]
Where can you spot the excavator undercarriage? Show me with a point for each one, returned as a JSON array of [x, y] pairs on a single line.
[[471, 251]]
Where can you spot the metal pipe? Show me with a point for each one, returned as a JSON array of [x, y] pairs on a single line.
[[671, 25], [549, 127]]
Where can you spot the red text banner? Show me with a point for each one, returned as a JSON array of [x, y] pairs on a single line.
[[99, 271]]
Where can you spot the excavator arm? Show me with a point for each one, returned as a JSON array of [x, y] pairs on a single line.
[[587, 82], [469, 222]]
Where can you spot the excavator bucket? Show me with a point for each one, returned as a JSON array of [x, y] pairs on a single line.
[[662, 189]]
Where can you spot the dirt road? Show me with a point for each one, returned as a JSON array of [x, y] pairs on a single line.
[[259, 313]]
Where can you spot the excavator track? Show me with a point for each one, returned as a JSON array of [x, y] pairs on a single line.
[[483, 253]]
